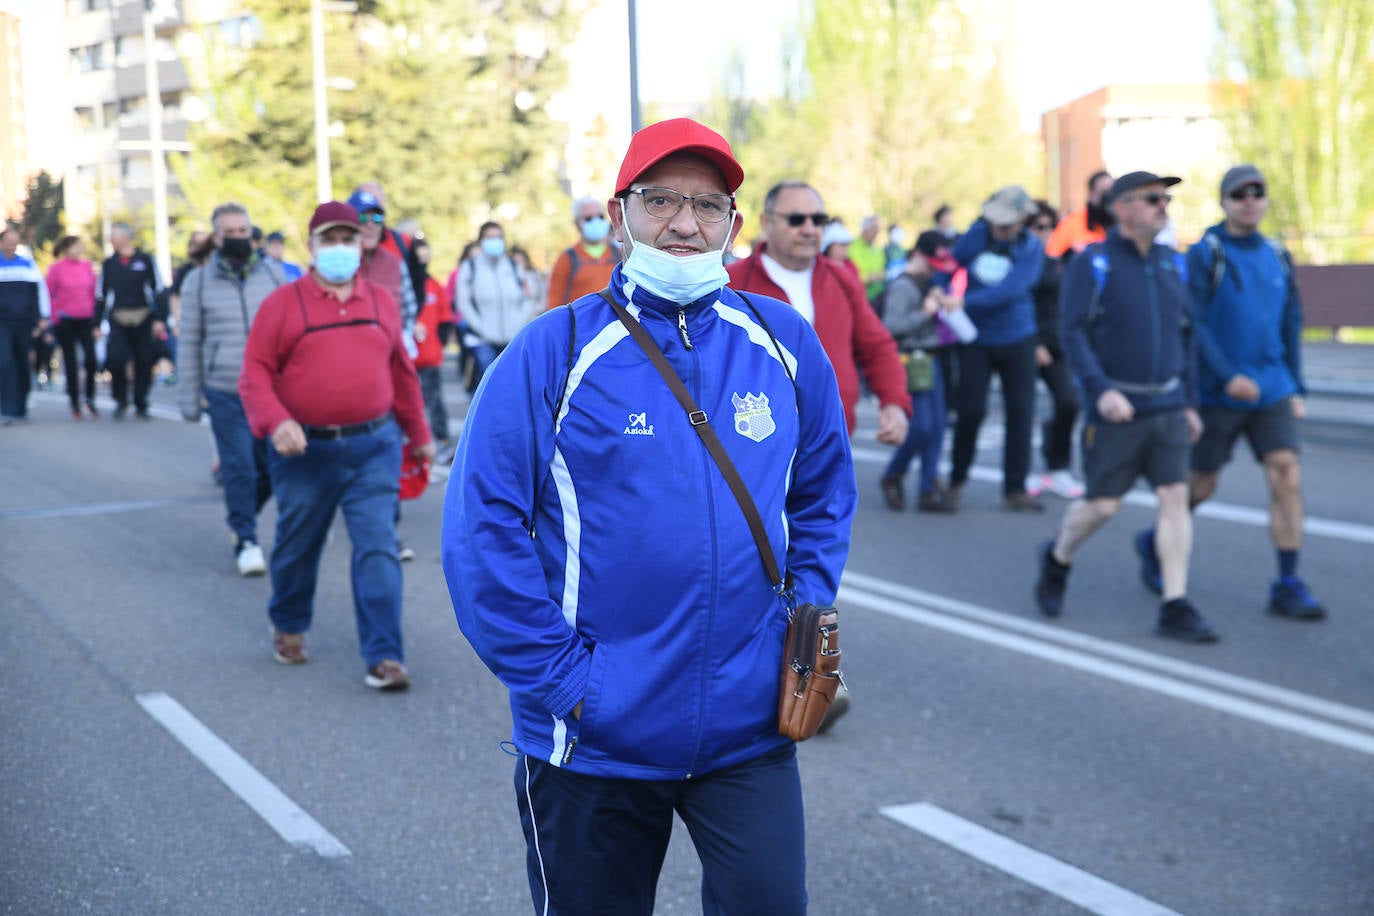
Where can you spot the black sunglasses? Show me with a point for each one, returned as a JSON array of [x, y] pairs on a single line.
[[1155, 198], [799, 219], [588, 219], [1255, 191]]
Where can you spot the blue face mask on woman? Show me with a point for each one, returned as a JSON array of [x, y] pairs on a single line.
[[493, 247], [338, 263]]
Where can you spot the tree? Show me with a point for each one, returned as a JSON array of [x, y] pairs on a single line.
[[445, 105], [42, 220], [1297, 95], [886, 109]]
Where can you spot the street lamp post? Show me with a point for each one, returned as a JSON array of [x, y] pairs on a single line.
[[635, 120], [154, 10]]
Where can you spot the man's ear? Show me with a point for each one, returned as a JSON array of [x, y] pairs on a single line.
[[615, 212]]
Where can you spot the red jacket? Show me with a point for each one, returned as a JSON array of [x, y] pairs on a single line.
[[850, 331], [434, 311], [322, 362]]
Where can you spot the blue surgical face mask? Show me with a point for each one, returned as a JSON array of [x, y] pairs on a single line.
[[595, 230], [677, 279], [493, 247], [338, 263]]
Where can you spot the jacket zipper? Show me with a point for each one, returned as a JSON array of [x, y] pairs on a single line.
[[1151, 282], [706, 466], [682, 328]]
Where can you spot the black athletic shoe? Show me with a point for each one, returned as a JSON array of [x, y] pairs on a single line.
[[1180, 620], [1053, 581]]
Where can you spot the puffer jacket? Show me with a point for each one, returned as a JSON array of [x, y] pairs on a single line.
[[217, 309], [595, 554]]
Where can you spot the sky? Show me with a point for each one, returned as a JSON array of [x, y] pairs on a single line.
[[1068, 48]]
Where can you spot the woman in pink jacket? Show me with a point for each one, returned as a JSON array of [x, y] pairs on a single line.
[[71, 286]]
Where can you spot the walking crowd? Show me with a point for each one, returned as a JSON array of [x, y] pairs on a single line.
[[324, 389]]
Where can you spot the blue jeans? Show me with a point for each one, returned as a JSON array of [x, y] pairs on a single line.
[[924, 435], [358, 475], [15, 337], [242, 464], [596, 844]]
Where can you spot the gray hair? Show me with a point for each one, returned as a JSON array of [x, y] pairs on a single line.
[[771, 197], [224, 210], [122, 227], [582, 202]]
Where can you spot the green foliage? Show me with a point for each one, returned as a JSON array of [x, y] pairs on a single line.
[[443, 102], [41, 222], [1297, 92], [882, 113]]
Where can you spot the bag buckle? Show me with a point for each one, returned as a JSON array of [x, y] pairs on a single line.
[[698, 417]]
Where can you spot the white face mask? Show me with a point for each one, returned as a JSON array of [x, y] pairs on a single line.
[[678, 279]]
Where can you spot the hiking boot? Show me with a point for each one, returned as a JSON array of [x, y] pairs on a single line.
[[1289, 597], [1021, 502], [1062, 483], [387, 675], [935, 501], [838, 707], [1052, 583], [892, 493], [250, 560], [289, 648], [1150, 575], [1180, 620]]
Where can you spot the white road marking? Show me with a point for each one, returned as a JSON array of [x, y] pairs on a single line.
[[1226, 512], [1294, 722], [282, 814], [1340, 712], [1029, 865]]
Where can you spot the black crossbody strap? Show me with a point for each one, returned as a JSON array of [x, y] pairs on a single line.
[[697, 417]]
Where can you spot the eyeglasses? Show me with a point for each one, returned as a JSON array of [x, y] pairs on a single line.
[[373, 216], [796, 220], [1154, 198], [665, 203], [1254, 191]]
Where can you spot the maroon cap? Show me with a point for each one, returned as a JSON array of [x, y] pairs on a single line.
[[656, 142], [332, 213]]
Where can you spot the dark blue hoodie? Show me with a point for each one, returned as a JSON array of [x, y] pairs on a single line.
[[1001, 279], [1137, 332], [1251, 325]]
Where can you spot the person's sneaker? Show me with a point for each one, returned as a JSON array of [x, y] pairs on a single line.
[[1021, 502], [838, 707], [405, 553], [1180, 620], [77, 414], [1034, 484], [121, 411], [387, 675], [1150, 574], [892, 493], [289, 648], [1290, 597], [250, 559], [1052, 583], [1062, 483], [935, 501]]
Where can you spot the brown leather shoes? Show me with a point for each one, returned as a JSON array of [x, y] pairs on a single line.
[[289, 648]]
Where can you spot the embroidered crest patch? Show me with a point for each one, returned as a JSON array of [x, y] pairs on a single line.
[[753, 416]]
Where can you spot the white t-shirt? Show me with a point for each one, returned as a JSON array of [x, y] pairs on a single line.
[[795, 284]]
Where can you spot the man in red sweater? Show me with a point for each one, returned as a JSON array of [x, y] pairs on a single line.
[[788, 267], [326, 379]]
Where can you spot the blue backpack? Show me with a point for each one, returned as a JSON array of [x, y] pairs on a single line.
[[1102, 266]]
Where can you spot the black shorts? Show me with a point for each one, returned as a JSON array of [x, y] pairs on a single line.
[[1269, 429], [1115, 454]]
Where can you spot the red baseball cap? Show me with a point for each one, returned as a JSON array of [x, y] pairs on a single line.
[[656, 142], [333, 213], [414, 475]]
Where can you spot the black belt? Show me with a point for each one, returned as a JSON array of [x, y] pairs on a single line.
[[342, 432]]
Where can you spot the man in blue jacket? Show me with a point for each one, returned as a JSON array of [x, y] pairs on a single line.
[[1249, 335], [602, 569], [1004, 261], [24, 310], [1128, 336]]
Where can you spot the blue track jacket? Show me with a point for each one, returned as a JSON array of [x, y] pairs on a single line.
[[595, 554], [1000, 299], [1251, 326]]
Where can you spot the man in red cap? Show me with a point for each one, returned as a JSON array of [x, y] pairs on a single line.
[[327, 379], [601, 566]]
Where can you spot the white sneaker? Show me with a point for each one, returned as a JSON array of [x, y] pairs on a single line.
[[250, 560], [1034, 484], [405, 553], [1062, 483]]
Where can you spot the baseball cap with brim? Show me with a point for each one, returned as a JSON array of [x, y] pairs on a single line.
[[1240, 176], [1133, 181], [334, 213], [650, 145], [363, 201], [934, 247], [1009, 206], [835, 234]]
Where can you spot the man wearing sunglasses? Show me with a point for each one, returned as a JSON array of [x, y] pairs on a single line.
[[1249, 335], [384, 258], [1127, 322], [586, 266], [788, 266]]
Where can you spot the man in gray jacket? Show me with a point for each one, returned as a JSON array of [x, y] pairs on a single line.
[[218, 302]]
